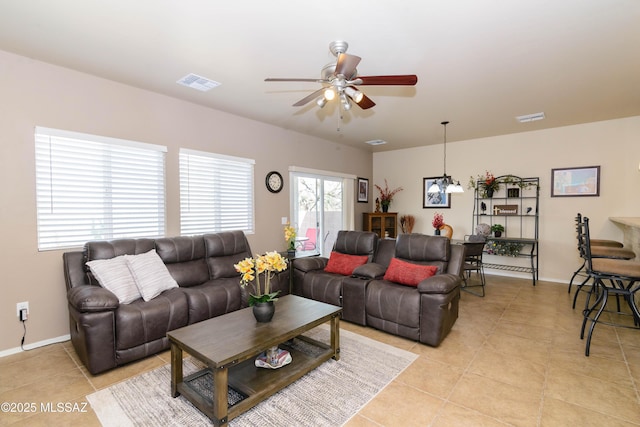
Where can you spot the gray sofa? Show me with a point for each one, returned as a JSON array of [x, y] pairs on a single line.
[[106, 333], [424, 312]]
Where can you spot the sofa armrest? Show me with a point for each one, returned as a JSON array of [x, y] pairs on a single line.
[[310, 263], [439, 284], [370, 270], [86, 299]]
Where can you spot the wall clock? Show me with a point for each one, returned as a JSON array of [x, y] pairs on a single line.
[[274, 182]]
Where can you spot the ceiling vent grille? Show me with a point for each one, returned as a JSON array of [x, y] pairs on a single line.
[[530, 117], [376, 142], [197, 82]]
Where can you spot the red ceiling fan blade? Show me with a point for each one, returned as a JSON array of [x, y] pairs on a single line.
[[347, 64], [402, 80], [365, 103], [309, 98]]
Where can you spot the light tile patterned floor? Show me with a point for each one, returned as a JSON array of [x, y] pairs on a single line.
[[513, 358]]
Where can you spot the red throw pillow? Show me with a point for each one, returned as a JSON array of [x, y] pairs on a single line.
[[344, 264], [407, 273]]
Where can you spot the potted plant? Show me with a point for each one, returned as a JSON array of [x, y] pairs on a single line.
[[487, 183], [438, 222], [386, 195], [290, 238], [261, 299], [497, 229]]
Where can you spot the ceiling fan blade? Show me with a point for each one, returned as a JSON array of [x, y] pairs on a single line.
[[402, 80], [347, 64], [365, 103], [293, 80], [309, 98]]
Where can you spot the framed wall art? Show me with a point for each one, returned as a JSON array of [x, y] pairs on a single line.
[[574, 182], [439, 200], [363, 190]]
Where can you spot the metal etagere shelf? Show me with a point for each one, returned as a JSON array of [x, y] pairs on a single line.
[[514, 206]]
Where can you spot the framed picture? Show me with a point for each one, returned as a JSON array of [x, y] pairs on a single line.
[[434, 200], [363, 190], [573, 182]]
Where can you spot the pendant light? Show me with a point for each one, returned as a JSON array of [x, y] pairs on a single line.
[[446, 183]]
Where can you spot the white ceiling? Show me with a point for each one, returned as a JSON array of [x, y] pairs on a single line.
[[479, 63]]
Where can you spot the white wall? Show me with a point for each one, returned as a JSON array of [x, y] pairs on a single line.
[[33, 94], [614, 145]]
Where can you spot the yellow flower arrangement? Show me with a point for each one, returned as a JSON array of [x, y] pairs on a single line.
[[290, 237], [250, 270]]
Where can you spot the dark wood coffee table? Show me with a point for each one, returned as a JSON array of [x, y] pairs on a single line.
[[229, 344]]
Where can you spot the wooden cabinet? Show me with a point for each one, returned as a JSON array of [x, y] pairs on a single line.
[[381, 224]]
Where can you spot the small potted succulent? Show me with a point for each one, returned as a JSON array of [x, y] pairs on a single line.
[[497, 230]]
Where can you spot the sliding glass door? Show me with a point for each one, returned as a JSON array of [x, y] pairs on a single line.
[[318, 210]]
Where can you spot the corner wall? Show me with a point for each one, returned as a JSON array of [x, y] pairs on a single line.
[[40, 94], [613, 144]]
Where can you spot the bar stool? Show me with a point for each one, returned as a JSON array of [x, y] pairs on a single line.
[[624, 279], [599, 249]]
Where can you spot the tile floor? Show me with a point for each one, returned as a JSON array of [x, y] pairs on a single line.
[[513, 358]]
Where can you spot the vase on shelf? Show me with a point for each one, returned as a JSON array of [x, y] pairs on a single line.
[[263, 311], [489, 193], [385, 207], [291, 250]]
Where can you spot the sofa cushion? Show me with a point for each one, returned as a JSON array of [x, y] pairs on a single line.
[[142, 322], [114, 275], [344, 264], [184, 257], [356, 243], [223, 250], [395, 305], [150, 274], [213, 298], [107, 249], [407, 273]]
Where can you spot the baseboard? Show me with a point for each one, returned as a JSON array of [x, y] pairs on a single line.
[[496, 272], [34, 345]]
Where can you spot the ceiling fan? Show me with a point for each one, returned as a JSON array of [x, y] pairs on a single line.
[[339, 80]]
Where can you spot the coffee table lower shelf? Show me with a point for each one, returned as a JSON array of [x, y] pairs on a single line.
[[249, 385]]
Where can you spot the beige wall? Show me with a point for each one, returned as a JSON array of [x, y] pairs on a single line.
[[614, 145], [38, 94]]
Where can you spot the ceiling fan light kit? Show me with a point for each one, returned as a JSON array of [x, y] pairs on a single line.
[[340, 78], [446, 184]]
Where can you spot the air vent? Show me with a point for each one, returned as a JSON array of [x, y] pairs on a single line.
[[376, 142], [197, 82], [530, 117]]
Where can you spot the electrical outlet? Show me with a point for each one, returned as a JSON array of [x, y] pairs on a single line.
[[22, 306], [284, 220]]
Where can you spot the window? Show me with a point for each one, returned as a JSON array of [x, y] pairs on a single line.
[[322, 205], [94, 188], [216, 193]]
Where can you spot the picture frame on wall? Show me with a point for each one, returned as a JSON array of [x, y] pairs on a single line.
[[575, 182], [439, 200], [363, 190]]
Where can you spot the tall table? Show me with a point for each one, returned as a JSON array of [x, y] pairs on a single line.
[[631, 229], [229, 344]]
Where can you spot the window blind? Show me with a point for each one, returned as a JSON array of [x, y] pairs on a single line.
[[216, 193], [90, 187]]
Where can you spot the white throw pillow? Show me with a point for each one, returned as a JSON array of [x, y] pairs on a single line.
[[114, 274], [150, 274]]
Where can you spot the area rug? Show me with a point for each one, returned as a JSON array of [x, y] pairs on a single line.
[[327, 396]]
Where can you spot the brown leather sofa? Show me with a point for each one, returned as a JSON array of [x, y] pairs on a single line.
[[425, 313], [310, 279], [106, 333]]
